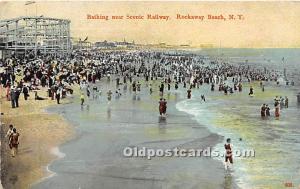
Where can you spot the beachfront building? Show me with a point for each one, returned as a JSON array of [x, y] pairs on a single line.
[[34, 36], [105, 44], [115, 45], [124, 44]]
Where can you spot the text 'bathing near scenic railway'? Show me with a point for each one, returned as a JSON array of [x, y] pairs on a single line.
[[166, 17]]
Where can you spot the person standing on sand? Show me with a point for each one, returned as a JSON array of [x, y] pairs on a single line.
[[17, 93], [228, 153], [14, 142], [57, 96], [9, 132], [13, 97], [25, 92]]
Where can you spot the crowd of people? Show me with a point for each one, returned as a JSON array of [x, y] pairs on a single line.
[[83, 68], [58, 74], [279, 104]]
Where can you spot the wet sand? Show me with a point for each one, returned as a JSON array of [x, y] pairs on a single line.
[[94, 159], [40, 132]]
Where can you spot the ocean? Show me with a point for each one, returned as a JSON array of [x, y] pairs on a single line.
[[237, 116]]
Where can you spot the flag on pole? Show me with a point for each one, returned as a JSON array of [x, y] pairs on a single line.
[[29, 2]]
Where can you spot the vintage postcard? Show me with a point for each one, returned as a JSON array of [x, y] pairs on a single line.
[[150, 94]]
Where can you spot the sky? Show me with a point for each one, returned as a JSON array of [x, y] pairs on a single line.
[[264, 24]]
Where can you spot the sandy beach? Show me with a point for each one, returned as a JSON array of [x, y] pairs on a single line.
[[40, 132]]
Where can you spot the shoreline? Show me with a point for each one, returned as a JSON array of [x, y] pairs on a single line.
[[37, 138], [218, 145], [179, 130], [54, 151]]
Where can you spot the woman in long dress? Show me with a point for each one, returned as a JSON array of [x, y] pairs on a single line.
[[14, 142]]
